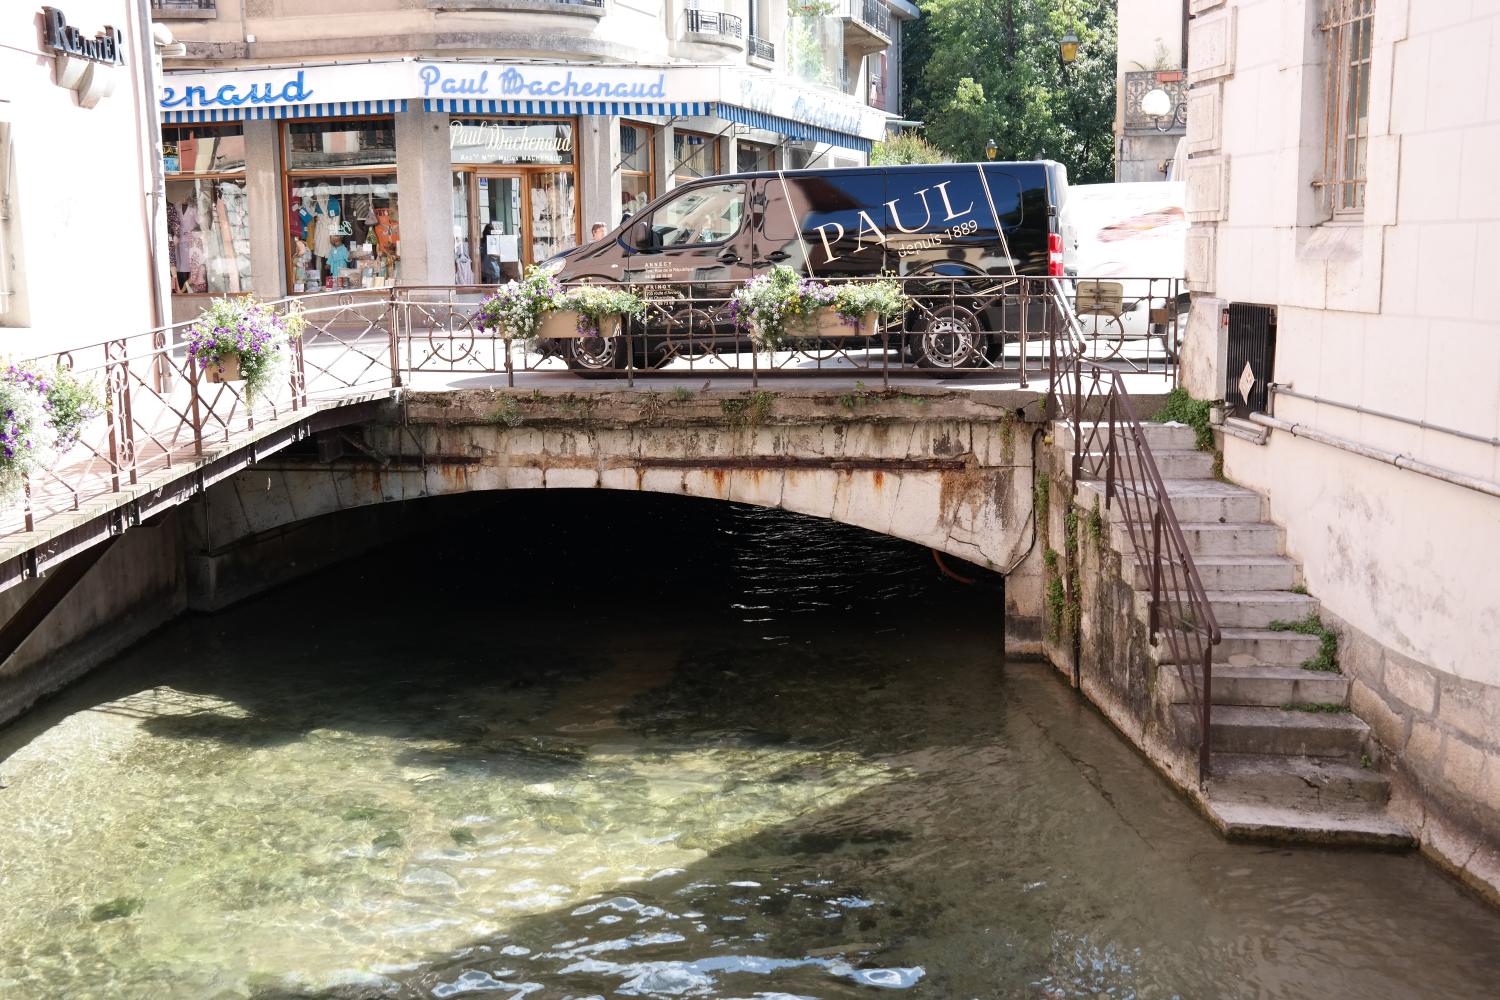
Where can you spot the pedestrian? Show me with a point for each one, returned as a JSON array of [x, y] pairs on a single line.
[[597, 231]]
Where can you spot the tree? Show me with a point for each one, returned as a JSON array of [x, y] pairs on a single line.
[[907, 147], [989, 69]]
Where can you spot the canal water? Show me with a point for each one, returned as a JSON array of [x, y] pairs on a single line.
[[591, 745]]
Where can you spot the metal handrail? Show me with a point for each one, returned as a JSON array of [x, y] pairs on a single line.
[[1116, 449]]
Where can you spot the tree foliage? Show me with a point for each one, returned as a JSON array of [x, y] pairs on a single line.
[[990, 69], [907, 147]]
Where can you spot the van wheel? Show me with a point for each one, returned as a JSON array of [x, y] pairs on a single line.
[[951, 337], [595, 357]]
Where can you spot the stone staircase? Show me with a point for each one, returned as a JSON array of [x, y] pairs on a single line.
[[1277, 772]]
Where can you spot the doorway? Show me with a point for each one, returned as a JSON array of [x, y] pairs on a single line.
[[509, 219]]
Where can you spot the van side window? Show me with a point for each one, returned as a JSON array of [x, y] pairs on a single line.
[[842, 218], [709, 213]]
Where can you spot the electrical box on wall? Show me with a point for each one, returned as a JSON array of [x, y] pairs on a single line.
[[1251, 358]]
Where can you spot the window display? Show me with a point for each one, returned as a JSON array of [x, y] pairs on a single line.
[[754, 156], [694, 154], [515, 202], [208, 218], [343, 225], [637, 179]]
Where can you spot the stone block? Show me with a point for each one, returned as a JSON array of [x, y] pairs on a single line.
[[1203, 128], [1211, 46], [1388, 726], [586, 479], [1424, 751], [1207, 188], [1489, 795], [1470, 708], [1463, 767], [1410, 682]]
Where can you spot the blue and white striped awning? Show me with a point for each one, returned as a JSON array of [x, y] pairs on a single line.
[[790, 128], [592, 108], [340, 109]]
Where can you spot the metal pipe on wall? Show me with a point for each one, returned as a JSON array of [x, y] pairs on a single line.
[[1379, 455]]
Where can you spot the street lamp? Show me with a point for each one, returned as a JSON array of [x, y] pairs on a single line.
[[991, 150], [1156, 104], [1068, 48]]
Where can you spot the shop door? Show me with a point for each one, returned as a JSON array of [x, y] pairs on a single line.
[[499, 226]]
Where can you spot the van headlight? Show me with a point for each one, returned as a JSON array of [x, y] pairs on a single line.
[[551, 265]]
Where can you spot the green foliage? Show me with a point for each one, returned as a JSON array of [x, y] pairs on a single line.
[[1096, 525], [1309, 706], [1057, 607], [681, 394], [508, 412], [748, 411], [1049, 558], [1327, 658], [990, 69], [1365, 762], [906, 147], [70, 403], [115, 909], [1042, 501], [596, 303], [883, 297], [248, 329], [1184, 409]]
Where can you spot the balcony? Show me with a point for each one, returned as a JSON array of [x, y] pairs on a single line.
[[1139, 83], [715, 26], [184, 10], [582, 8], [762, 50], [867, 26]]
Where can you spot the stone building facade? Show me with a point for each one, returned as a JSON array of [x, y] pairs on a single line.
[[359, 144], [1343, 228]]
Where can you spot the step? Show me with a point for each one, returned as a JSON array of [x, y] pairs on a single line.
[[1210, 538], [1247, 608], [1258, 647], [1305, 782], [1221, 573], [1348, 827], [1171, 463], [1264, 687], [1158, 436], [1283, 732], [1192, 500]]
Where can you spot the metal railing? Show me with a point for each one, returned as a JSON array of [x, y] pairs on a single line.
[[762, 49], [185, 8], [1109, 443], [160, 412], [872, 14], [712, 22]]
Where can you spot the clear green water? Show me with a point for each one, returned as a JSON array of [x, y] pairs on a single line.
[[613, 746]]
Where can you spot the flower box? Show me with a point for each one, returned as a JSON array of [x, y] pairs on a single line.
[[227, 369], [562, 324], [828, 323]]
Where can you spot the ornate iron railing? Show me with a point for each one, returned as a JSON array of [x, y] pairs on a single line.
[[762, 49], [161, 412], [1109, 443], [185, 8], [872, 14], [712, 22]]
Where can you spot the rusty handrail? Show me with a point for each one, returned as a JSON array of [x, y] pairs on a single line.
[[1179, 607]]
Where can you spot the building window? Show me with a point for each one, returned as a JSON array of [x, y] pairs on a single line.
[[10, 249], [343, 219], [637, 171], [1347, 26], [753, 156], [694, 155], [208, 216]]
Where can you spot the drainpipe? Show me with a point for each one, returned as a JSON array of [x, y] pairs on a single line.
[[155, 223], [1379, 455]]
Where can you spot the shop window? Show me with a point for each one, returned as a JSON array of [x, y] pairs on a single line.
[[637, 176], [554, 226], [694, 155], [343, 225], [208, 215], [754, 156], [485, 141], [708, 214]]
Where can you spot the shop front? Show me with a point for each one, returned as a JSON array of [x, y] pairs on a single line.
[[300, 179]]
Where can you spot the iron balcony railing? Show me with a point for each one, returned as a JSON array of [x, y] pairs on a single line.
[[762, 49], [872, 14], [185, 8], [712, 22]]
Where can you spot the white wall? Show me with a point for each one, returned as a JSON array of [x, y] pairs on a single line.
[[79, 205], [1388, 312]]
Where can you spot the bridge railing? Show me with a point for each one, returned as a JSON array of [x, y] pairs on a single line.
[[1109, 443], [160, 409]]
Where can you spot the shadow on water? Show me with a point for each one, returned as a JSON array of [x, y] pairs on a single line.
[[714, 751]]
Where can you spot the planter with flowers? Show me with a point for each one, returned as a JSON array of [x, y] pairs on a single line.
[[781, 305], [537, 308], [242, 340], [42, 415]]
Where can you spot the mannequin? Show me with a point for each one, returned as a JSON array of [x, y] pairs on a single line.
[[189, 245], [328, 219]]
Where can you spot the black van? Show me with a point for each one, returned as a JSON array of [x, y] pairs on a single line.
[[980, 221]]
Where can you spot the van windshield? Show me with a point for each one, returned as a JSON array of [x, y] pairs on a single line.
[[707, 214]]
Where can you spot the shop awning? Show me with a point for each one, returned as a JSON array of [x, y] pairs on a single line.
[[789, 128], [627, 108], [336, 109]]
